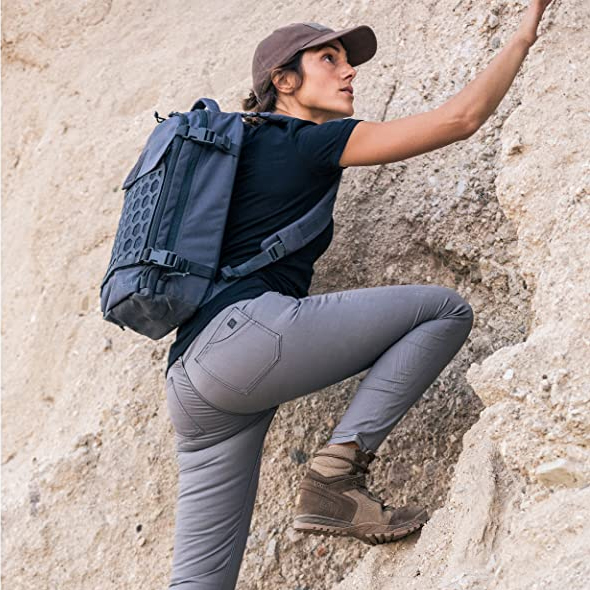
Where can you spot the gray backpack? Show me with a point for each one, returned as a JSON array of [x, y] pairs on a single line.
[[164, 262]]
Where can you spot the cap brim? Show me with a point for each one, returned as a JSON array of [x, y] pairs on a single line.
[[360, 43]]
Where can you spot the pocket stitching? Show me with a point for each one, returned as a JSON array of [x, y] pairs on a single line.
[[245, 390], [221, 325], [203, 398]]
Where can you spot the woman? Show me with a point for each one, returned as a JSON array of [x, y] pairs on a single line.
[[264, 341]]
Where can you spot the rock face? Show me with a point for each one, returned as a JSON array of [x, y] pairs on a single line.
[[519, 505], [497, 444]]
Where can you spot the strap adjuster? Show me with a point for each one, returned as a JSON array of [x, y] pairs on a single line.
[[163, 258], [202, 135], [277, 250], [206, 136]]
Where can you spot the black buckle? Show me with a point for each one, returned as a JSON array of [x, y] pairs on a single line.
[[277, 250], [202, 135], [163, 258], [207, 136]]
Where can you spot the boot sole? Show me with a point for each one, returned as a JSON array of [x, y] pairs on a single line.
[[316, 525]]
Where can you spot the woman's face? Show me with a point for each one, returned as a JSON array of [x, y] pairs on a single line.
[[326, 72]]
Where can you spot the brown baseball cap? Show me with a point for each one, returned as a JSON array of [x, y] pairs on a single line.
[[283, 43]]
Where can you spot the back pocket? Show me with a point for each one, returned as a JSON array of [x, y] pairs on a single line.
[[240, 352]]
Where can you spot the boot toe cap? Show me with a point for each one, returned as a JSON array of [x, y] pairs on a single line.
[[410, 513]]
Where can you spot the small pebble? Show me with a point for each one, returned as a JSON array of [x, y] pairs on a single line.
[[298, 456], [293, 535], [272, 549], [321, 551]]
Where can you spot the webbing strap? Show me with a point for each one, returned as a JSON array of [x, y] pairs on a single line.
[[290, 238], [206, 136], [165, 259]]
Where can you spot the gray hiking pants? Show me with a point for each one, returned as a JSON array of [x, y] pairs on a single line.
[[224, 391]]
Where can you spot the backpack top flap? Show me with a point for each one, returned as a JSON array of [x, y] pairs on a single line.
[[154, 149]]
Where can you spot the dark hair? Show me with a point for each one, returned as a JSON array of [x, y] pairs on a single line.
[[268, 98]]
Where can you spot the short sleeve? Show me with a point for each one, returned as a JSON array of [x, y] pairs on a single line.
[[321, 145]]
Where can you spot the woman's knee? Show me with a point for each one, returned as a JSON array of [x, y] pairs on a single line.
[[455, 305]]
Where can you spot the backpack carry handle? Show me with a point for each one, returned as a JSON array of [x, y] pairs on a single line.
[[212, 105], [207, 103]]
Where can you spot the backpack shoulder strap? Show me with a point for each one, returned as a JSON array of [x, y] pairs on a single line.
[[290, 238], [285, 241]]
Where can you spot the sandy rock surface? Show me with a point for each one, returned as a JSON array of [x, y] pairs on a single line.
[[497, 446]]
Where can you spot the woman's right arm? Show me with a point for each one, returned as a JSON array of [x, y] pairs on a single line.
[[458, 118]]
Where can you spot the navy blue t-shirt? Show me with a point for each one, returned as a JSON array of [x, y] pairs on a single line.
[[282, 173]]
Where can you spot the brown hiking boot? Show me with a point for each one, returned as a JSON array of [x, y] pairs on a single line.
[[338, 502]]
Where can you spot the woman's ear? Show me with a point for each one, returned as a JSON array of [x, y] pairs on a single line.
[[284, 81]]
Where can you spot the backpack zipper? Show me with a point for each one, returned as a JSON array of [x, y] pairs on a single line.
[[185, 188]]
